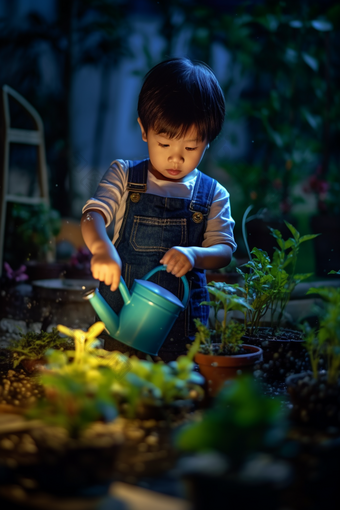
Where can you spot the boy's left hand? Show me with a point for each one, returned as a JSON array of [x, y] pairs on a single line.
[[178, 260]]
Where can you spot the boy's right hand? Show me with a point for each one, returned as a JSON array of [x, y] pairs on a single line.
[[106, 268]]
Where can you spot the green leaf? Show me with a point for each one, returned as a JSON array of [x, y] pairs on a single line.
[[308, 237], [321, 25], [310, 61], [293, 230]]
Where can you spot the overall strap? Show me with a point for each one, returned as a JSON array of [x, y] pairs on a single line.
[[203, 195], [138, 176]]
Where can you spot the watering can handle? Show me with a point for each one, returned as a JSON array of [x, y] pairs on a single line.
[[183, 278]]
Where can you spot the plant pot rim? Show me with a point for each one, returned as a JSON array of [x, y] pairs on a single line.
[[254, 355]]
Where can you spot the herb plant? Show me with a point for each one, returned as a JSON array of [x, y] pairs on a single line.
[[159, 384], [286, 257], [227, 335], [269, 284], [92, 380], [78, 383], [33, 345]]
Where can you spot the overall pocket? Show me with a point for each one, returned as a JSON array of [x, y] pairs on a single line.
[[150, 234]]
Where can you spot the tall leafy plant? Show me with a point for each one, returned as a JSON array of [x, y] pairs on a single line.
[[268, 284]]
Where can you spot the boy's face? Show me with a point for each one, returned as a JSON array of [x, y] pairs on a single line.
[[173, 158]]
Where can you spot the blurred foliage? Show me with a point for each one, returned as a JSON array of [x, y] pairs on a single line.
[[287, 54], [278, 64], [48, 52], [241, 421], [280, 76], [30, 232]]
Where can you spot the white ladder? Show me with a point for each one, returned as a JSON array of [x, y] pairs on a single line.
[[20, 136]]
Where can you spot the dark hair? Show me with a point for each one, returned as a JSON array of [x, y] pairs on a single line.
[[179, 93]]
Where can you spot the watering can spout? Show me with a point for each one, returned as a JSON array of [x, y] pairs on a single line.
[[103, 310]]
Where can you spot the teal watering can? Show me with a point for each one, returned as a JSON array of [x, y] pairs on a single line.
[[147, 316]]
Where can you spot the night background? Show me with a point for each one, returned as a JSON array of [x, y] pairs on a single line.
[[80, 64], [249, 417]]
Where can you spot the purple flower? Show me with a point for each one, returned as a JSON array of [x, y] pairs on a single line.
[[18, 275]]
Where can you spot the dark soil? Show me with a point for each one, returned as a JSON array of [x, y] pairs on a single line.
[[316, 403], [216, 349], [283, 353]]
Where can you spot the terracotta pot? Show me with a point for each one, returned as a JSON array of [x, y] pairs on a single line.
[[217, 369]]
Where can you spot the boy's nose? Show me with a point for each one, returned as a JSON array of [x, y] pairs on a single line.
[[176, 158]]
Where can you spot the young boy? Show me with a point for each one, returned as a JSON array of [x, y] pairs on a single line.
[[165, 211]]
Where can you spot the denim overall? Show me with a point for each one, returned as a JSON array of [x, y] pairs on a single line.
[[151, 226]]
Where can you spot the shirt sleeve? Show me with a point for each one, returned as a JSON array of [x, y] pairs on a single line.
[[220, 224], [110, 191]]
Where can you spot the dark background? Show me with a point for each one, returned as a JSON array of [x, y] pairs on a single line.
[[80, 65]]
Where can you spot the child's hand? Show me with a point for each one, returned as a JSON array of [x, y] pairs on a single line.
[[178, 260], [106, 269]]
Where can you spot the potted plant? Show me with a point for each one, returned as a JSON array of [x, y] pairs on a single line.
[[315, 393], [31, 239], [268, 286], [230, 455], [221, 353]]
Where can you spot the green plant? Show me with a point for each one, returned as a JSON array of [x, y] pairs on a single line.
[[259, 287], [78, 383], [268, 284], [72, 404], [31, 230], [227, 334], [131, 381], [326, 341], [314, 348], [287, 52], [34, 346], [242, 420], [286, 257], [159, 384]]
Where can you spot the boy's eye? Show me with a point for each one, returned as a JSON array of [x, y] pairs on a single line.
[[190, 148], [163, 144]]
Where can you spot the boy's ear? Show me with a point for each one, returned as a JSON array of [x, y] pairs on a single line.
[[144, 137]]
